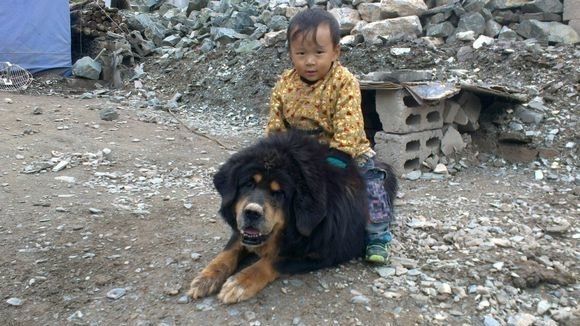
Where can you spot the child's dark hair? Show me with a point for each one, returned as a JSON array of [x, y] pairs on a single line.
[[307, 21]]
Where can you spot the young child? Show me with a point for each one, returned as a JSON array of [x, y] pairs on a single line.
[[323, 98]]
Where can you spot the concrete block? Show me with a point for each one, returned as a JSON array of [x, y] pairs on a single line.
[[406, 152], [400, 113], [575, 24], [571, 10]]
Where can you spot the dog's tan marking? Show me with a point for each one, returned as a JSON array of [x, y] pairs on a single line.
[[258, 177], [275, 186], [239, 207], [211, 278]]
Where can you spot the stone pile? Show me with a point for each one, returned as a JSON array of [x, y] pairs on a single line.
[[249, 25], [485, 20], [93, 19]]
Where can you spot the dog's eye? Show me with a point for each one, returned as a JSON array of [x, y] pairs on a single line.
[[248, 185], [278, 194]]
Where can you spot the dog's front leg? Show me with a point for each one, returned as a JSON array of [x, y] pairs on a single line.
[[249, 281], [211, 278]]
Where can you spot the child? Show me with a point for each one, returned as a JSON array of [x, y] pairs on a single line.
[[323, 98]]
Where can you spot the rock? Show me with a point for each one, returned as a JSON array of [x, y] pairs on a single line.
[[108, 114], [543, 307], [490, 321], [86, 67], [492, 28], [521, 319], [14, 302], [116, 293], [507, 34], [372, 32], [472, 22], [482, 40], [444, 29], [548, 31], [545, 6], [360, 299], [347, 19]]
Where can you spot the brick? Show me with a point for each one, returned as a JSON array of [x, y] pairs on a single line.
[[400, 113], [571, 10], [406, 152]]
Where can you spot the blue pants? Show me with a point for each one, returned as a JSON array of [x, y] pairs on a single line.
[[381, 214]]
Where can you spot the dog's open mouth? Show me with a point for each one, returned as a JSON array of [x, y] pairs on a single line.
[[253, 237]]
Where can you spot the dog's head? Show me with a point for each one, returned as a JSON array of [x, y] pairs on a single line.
[[273, 185]]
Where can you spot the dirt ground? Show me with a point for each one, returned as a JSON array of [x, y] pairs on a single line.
[[143, 219]]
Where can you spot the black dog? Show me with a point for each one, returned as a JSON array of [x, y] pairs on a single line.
[[288, 205]]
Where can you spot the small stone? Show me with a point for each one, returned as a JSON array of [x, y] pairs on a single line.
[[413, 175], [490, 321], [360, 299], [93, 210], [441, 169], [521, 319], [195, 256], [116, 293], [443, 288], [8, 100], [498, 265], [543, 307], [37, 110], [538, 175], [66, 179], [484, 304], [400, 51], [183, 299], [385, 272], [14, 302], [108, 114]]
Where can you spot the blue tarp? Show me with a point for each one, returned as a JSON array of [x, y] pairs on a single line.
[[35, 34]]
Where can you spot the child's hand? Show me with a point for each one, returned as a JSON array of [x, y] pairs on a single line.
[[335, 161], [338, 158]]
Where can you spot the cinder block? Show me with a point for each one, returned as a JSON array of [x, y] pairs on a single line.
[[401, 114], [571, 10], [406, 152]]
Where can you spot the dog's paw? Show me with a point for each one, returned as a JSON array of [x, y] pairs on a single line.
[[204, 285], [235, 290]]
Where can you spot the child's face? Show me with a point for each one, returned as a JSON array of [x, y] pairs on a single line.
[[312, 60]]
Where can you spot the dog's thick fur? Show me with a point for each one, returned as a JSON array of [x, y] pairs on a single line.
[[289, 206]]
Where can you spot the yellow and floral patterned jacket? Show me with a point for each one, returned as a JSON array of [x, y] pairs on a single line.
[[330, 107]]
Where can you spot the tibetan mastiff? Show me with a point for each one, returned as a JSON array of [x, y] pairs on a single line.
[[289, 207]]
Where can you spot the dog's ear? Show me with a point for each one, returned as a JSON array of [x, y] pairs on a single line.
[[226, 183], [309, 201]]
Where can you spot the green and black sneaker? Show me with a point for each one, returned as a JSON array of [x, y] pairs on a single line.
[[378, 252]]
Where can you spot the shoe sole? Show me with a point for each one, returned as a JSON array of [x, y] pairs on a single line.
[[376, 259]]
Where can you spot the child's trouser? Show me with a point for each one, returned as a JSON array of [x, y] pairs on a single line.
[[380, 205]]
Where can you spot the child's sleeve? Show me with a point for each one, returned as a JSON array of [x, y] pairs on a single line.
[[349, 133], [275, 118]]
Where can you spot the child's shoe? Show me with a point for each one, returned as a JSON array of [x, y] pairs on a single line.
[[378, 252]]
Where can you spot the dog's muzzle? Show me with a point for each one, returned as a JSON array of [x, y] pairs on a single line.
[[253, 218]]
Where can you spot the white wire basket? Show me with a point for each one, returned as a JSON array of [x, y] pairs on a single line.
[[13, 77]]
